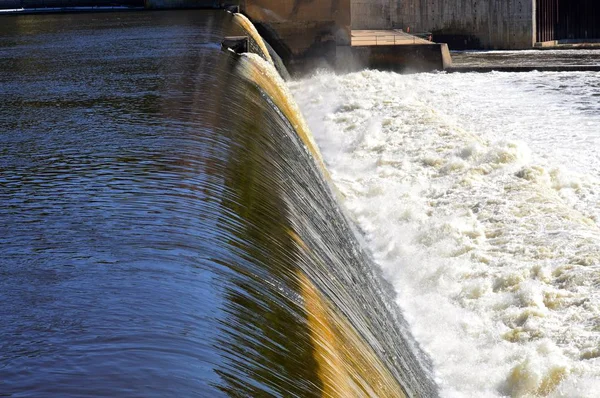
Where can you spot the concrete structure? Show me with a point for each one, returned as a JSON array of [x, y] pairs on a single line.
[[391, 50], [307, 31], [304, 33], [473, 23], [485, 24], [395, 58], [375, 14], [461, 23]]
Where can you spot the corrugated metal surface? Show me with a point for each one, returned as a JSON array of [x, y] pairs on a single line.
[[547, 20], [579, 19], [568, 20]]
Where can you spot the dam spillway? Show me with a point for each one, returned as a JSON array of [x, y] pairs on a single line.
[[481, 212], [166, 229]]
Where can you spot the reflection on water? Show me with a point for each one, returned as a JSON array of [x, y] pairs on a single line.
[[150, 225]]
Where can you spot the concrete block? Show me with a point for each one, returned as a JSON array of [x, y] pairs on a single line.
[[403, 59]]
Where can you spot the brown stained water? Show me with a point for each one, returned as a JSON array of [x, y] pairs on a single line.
[[165, 232]]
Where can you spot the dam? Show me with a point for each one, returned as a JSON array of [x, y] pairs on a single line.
[[172, 227], [305, 35], [168, 226], [492, 24]]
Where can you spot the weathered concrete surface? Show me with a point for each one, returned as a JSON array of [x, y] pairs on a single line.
[[374, 14], [492, 24], [395, 58], [446, 57], [305, 33]]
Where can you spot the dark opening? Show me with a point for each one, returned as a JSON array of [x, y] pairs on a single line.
[[568, 20]]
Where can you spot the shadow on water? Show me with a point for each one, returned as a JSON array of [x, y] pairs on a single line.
[[163, 232]]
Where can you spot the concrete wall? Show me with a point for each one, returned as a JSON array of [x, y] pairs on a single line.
[[374, 14], [303, 32], [404, 59], [507, 24], [489, 24]]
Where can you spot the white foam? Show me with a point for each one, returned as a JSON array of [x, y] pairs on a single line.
[[479, 197]]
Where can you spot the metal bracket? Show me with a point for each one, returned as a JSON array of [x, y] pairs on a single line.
[[237, 44], [235, 9]]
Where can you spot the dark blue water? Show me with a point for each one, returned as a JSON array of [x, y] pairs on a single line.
[[146, 204], [113, 231]]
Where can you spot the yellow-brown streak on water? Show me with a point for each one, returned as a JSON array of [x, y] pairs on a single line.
[[348, 367], [265, 76], [249, 27]]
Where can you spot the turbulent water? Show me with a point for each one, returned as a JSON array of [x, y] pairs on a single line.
[[479, 195]]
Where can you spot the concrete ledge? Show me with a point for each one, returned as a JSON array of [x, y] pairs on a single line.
[[406, 58], [487, 69], [568, 44]]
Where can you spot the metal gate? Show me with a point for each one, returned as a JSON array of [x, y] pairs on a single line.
[[547, 20], [567, 20], [579, 19]]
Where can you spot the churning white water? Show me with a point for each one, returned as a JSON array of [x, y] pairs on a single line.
[[479, 195]]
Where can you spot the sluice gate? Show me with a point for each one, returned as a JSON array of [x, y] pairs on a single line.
[[558, 20]]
